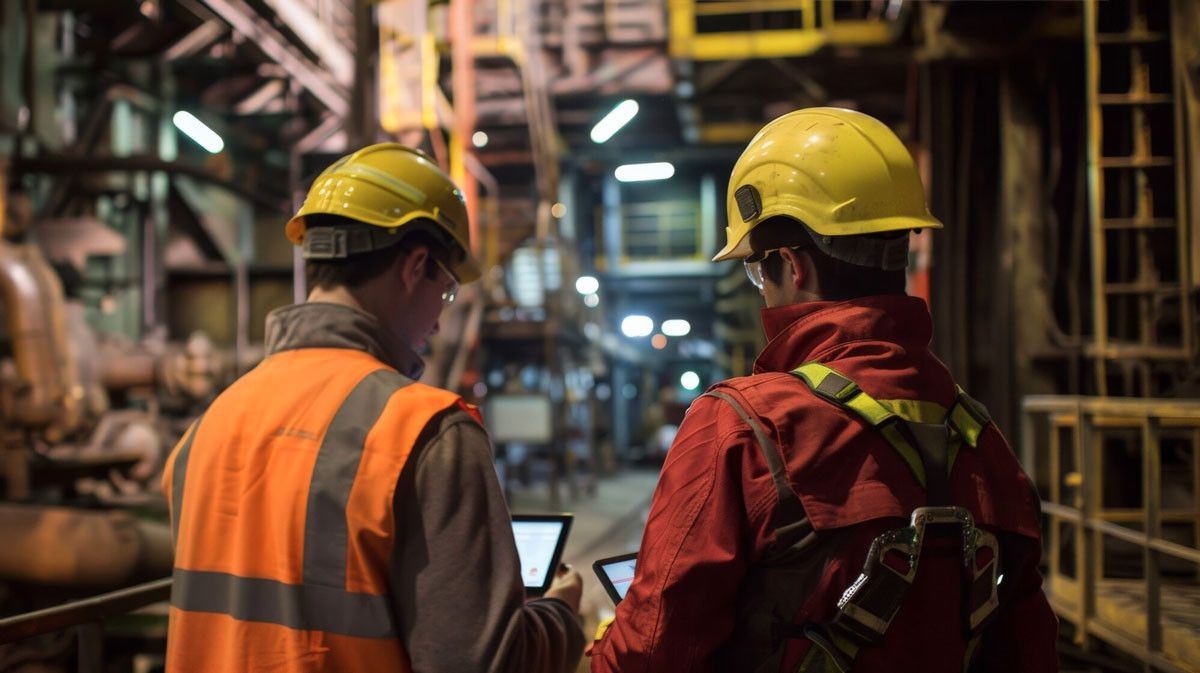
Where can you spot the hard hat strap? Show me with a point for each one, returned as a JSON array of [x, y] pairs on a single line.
[[324, 243]]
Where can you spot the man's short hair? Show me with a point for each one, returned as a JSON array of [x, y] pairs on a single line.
[[838, 280], [357, 270]]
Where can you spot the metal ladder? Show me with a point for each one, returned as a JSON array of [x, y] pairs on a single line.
[[1141, 283]]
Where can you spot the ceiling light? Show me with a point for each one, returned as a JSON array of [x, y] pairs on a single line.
[[587, 285], [614, 121], [479, 139], [676, 327], [591, 300], [635, 326], [198, 131], [690, 380], [658, 170]]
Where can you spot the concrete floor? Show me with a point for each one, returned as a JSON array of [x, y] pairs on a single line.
[[607, 523]]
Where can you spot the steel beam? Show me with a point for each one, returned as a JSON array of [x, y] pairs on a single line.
[[203, 36], [317, 37], [243, 19]]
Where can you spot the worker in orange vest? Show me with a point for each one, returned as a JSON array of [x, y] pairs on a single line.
[[329, 512], [846, 508]]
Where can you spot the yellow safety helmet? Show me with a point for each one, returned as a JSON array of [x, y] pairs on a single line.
[[841, 173], [388, 186]]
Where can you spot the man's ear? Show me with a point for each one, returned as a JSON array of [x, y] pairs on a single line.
[[412, 266], [800, 265]]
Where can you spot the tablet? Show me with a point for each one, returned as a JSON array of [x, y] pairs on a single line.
[[540, 540], [616, 573]]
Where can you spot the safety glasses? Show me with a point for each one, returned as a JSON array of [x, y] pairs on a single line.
[[450, 293], [754, 262], [754, 269]]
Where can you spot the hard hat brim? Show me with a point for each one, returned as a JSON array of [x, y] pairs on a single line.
[[741, 248]]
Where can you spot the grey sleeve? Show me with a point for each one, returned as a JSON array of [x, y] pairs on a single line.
[[455, 576]]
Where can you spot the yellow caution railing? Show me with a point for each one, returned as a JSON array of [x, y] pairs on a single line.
[[1115, 572], [810, 26]]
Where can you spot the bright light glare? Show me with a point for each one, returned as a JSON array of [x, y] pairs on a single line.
[[690, 380], [587, 285], [634, 326], [614, 121], [658, 170], [479, 139], [677, 327], [198, 131], [591, 300]]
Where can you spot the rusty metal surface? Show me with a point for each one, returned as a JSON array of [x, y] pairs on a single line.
[[58, 546], [45, 391]]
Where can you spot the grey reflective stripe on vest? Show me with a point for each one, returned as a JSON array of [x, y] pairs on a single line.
[[790, 508], [326, 534], [311, 607], [178, 477]]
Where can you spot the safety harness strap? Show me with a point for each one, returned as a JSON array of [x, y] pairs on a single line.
[[790, 509], [843, 392], [929, 448]]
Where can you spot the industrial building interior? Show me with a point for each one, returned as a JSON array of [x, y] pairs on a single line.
[[151, 152]]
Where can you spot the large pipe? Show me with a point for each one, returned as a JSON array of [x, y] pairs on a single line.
[[33, 312], [63, 547]]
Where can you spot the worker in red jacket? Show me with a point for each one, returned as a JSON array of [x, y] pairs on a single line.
[[847, 507]]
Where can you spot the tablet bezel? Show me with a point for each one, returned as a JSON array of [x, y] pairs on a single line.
[[555, 558], [598, 568]]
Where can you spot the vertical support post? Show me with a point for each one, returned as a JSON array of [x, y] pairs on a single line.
[[299, 286], [1180, 83], [462, 54], [611, 219], [1151, 504], [245, 232], [361, 120], [1095, 180], [1054, 449], [91, 647], [1085, 538], [1196, 493]]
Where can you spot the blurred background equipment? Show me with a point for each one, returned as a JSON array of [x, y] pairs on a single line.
[[151, 151]]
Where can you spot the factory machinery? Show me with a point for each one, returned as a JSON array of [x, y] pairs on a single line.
[[86, 420]]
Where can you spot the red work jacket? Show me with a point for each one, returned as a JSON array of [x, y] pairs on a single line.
[[714, 512]]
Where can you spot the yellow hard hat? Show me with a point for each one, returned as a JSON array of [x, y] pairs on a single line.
[[389, 185], [839, 172]]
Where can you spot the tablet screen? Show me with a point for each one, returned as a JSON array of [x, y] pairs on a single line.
[[620, 574], [536, 544]]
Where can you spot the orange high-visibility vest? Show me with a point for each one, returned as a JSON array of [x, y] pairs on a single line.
[[281, 506]]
